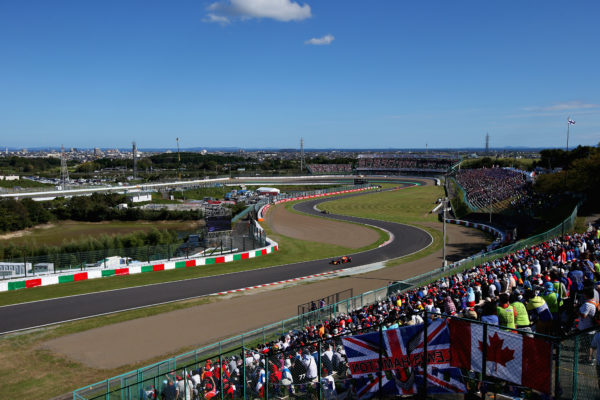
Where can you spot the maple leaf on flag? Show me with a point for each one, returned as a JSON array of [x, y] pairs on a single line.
[[495, 352]]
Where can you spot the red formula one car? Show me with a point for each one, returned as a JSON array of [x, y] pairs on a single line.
[[341, 260]]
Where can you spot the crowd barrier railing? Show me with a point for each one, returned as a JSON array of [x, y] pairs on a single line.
[[463, 196]]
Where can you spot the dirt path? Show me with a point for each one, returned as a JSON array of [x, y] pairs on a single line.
[[24, 232], [304, 227], [133, 342]]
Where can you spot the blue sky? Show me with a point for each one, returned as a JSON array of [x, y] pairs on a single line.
[[263, 73]]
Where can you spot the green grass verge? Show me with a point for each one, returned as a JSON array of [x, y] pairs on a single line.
[[24, 183], [61, 232]]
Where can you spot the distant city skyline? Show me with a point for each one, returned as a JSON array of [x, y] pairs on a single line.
[[226, 149], [262, 74]]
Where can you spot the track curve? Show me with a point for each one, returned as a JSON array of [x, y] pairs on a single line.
[[407, 240]]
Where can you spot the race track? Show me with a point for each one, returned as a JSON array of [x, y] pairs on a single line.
[[407, 240]]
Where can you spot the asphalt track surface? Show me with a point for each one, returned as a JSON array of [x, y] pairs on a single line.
[[407, 240]]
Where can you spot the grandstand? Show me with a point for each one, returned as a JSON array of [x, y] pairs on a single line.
[[488, 186], [389, 164], [329, 169]]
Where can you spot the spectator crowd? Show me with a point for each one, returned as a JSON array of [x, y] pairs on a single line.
[[330, 168], [485, 186], [392, 163], [551, 288]]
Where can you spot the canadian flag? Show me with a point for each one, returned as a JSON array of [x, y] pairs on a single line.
[[510, 356]]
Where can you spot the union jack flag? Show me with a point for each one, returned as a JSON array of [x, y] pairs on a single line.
[[402, 361]]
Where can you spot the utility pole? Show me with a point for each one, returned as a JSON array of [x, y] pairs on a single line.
[[569, 123], [64, 171], [178, 160], [134, 151], [568, 127], [301, 155]]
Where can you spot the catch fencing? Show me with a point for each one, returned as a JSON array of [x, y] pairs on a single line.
[[575, 381], [322, 302], [462, 193]]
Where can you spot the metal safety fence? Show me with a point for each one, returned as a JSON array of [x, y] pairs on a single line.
[[323, 301], [134, 381], [322, 369], [462, 193]]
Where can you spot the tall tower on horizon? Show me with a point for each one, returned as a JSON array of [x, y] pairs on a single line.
[[64, 171], [487, 143], [178, 160], [134, 151], [301, 154]]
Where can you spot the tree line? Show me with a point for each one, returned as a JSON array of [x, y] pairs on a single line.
[[20, 214], [489, 162], [559, 158], [27, 165], [581, 172]]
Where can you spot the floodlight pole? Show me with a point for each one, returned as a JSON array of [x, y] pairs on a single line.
[[445, 206], [568, 127], [566, 171]]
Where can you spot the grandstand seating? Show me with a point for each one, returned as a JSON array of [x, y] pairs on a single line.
[[393, 163], [488, 186], [328, 169]]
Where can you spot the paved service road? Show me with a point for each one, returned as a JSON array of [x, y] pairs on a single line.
[[407, 239]]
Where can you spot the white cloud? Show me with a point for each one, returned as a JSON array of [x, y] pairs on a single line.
[[327, 39], [219, 19], [567, 106], [557, 109], [280, 10]]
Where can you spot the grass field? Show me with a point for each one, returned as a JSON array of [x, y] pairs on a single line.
[[64, 231], [24, 183], [406, 205], [33, 372]]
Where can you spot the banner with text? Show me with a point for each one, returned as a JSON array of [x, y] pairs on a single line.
[[399, 353]]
